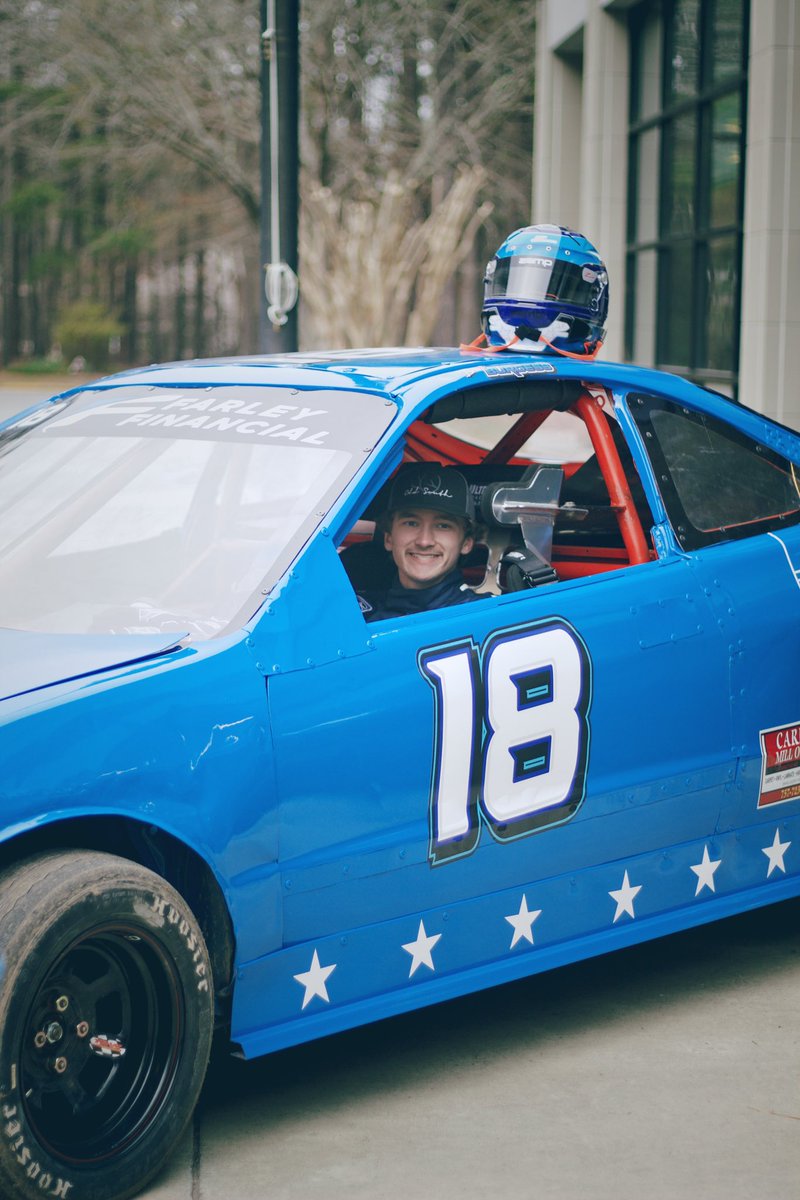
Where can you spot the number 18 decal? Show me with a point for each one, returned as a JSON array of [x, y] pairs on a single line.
[[512, 734]]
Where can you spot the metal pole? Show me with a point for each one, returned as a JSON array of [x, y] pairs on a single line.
[[279, 157]]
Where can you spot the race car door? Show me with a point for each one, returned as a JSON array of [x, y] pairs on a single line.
[[538, 752]]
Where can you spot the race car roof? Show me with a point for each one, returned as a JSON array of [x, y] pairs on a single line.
[[408, 375], [415, 379]]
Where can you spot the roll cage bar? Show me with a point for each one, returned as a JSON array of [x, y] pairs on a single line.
[[426, 442]]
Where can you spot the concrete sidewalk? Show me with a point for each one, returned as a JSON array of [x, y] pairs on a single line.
[[665, 1071]]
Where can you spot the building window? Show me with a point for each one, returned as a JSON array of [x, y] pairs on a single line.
[[686, 183]]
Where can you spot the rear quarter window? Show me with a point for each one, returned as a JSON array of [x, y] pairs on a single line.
[[716, 482]]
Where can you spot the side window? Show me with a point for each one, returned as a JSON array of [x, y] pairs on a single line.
[[717, 483], [554, 487]]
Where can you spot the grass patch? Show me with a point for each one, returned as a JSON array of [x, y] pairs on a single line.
[[37, 366]]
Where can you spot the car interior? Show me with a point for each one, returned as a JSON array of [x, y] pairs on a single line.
[[556, 491]]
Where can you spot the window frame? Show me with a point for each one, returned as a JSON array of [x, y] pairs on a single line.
[[689, 536], [664, 244]]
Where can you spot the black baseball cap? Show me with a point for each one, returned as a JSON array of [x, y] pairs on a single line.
[[430, 485]]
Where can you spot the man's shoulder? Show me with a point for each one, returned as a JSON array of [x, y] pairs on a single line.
[[368, 603]]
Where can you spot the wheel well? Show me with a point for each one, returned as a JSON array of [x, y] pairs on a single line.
[[151, 847]]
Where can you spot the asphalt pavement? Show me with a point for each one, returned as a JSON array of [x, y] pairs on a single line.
[[667, 1070], [18, 392]]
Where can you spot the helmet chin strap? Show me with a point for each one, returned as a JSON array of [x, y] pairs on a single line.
[[481, 343], [589, 356]]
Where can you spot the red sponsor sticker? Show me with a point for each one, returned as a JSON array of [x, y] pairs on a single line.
[[780, 765]]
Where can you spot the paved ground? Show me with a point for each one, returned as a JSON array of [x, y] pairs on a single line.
[[667, 1071], [17, 392]]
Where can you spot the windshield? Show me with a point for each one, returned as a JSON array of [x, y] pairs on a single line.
[[155, 510]]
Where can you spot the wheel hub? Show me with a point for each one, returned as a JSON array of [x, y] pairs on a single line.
[[99, 1055]]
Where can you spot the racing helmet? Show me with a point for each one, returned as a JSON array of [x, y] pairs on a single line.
[[546, 290]]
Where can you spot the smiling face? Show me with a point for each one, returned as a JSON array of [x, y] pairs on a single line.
[[425, 545]]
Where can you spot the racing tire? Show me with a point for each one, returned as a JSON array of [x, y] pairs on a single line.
[[106, 1018]]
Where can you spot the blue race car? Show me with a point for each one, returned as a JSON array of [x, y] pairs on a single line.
[[230, 797]]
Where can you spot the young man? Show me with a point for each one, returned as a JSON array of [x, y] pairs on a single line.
[[427, 528]]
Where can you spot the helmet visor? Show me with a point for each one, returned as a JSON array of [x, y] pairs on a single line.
[[529, 277]]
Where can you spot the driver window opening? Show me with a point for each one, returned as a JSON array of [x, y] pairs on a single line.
[[555, 491]]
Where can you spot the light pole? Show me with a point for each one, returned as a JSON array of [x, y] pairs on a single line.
[[280, 107]]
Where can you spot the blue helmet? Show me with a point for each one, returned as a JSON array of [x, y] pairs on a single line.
[[546, 291]]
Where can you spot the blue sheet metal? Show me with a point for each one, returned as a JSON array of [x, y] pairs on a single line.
[[402, 812]]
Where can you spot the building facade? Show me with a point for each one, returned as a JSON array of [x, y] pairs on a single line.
[[668, 131]]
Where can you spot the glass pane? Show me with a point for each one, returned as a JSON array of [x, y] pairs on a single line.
[[647, 171], [647, 67], [679, 186], [644, 308], [677, 350], [723, 287], [685, 48], [166, 509], [727, 38], [721, 480], [726, 130]]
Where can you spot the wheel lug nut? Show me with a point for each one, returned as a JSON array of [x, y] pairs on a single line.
[[62, 1004], [82, 1028], [60, 1066], [40, 1040], [54, 1032]]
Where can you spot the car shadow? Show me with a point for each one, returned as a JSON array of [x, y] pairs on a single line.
[[585, 998]]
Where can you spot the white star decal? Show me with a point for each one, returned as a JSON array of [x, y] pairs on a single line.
[[313, 980], [625, 897], [775, 853], [705, 872], [420, 950], [522, 923]]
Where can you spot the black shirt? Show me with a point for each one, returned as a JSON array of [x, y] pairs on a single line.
[[398, 601]]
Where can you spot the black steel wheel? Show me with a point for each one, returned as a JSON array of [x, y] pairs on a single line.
[[106, 1015]]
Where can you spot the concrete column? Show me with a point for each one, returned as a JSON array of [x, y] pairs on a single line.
[[604, 156], [770, 323], [557, 136]]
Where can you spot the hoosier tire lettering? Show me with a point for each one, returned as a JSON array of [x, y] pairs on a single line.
[[165, 909], [46, 1184]]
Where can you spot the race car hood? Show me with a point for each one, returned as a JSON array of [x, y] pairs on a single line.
[[30, 661]]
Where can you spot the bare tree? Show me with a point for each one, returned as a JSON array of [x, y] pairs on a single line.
[[375, 275], [142, 120]]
